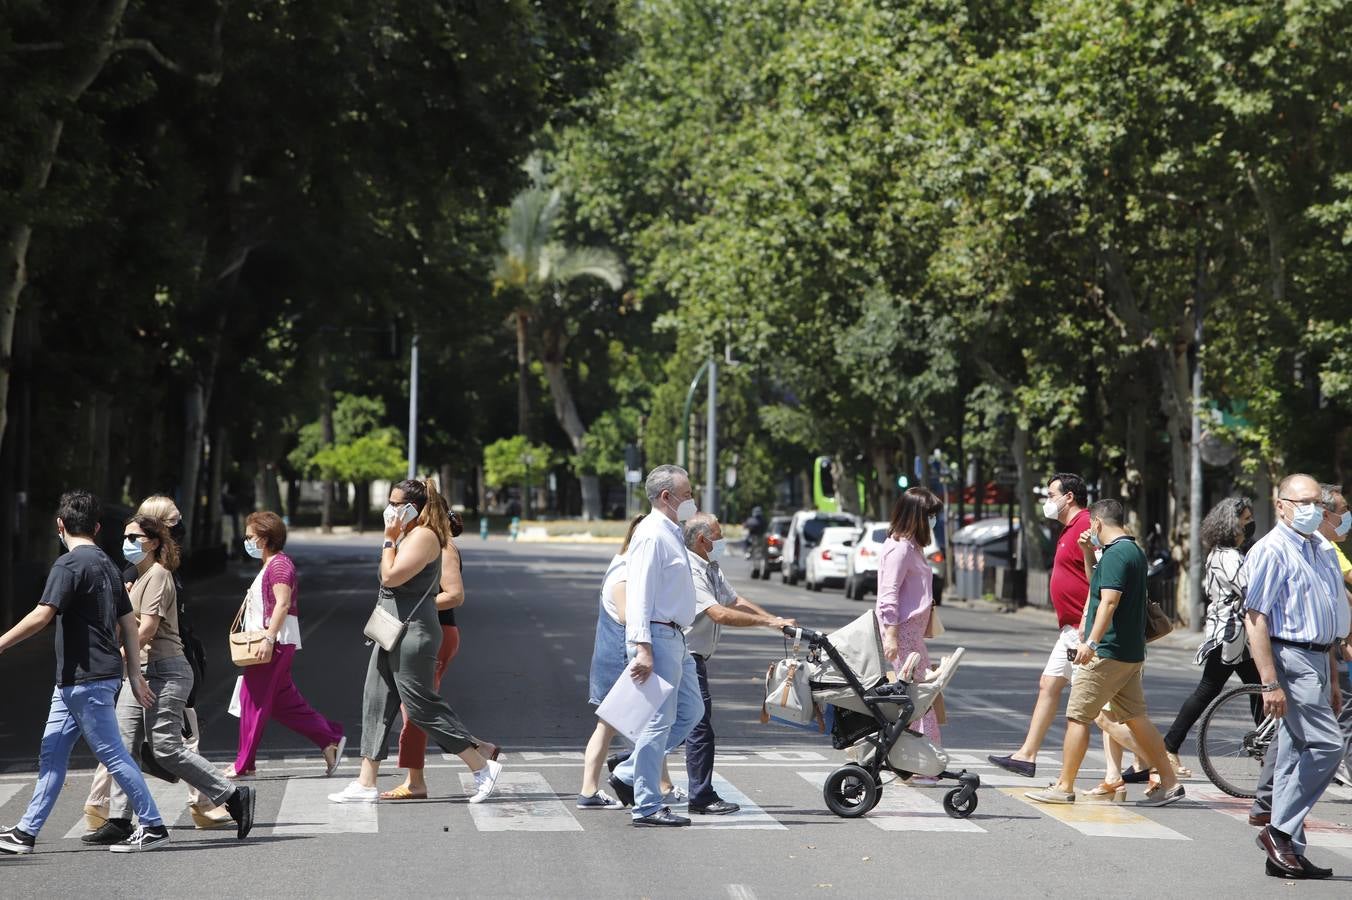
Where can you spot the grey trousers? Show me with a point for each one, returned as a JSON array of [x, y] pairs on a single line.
[[407, 676], [162, 725], [1262, 802], [1308, 746]]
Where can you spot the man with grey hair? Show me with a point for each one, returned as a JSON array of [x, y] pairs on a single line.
[[659, 606], [716, 605], [1297, 619]]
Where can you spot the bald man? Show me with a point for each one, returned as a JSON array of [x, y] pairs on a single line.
[[1297, 619]]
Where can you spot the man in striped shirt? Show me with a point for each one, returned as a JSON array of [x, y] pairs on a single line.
[[1297, 619]]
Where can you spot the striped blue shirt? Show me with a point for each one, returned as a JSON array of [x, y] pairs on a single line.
[[1295, 582]]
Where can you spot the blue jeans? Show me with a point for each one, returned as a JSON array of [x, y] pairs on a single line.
[[669, 726], [85, 710]]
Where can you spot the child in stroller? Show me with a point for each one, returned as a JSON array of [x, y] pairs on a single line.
[[873, 716]]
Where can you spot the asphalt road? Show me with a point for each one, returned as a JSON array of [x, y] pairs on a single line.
[[520, 680]]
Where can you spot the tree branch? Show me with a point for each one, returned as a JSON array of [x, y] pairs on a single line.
[[210, 79], [46, 47]]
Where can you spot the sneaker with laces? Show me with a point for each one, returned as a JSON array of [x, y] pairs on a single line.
[[485, 780], [1161, 797], [676, 797], [598, 800], [355, 793], [16, 841], [145, 837], [240, 805], [113, 831]]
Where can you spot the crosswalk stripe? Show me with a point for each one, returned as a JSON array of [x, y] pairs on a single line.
[[9, 789], [1100, 819], [306, 810], [903, 808], [170, 799], [522, 801], [1318, 833], [750, 817]]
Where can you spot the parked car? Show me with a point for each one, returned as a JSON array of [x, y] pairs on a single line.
[[766, 553], [826, 561], [805, 532], [861, 567]]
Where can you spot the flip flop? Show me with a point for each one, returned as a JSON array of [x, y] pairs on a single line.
[[402, 793]]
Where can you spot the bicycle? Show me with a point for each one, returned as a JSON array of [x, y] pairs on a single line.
[[1233, 739]]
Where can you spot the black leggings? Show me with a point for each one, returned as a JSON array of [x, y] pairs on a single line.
[[1214, 676]]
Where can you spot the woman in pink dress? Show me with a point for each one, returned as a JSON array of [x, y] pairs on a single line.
[[905, 587]]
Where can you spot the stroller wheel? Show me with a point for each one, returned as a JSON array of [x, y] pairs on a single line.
[[850, 791], [958, 808]]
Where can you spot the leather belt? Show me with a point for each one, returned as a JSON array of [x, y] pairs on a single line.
[[668, 624], [1304, 645]]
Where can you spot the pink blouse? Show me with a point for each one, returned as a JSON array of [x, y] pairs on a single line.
[[905, 583]]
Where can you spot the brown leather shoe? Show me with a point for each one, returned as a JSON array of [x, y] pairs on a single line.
[[1258, 820], [1280, 852]]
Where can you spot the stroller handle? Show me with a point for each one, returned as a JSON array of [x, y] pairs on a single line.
[[812, 637]]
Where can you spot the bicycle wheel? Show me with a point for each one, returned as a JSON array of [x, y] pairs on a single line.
[[1233, 738]]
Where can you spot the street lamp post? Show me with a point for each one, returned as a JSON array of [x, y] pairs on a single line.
[[527, 459], [413, 409]]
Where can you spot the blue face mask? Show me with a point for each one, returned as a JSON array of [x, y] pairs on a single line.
[[1095, 540], [132, 552], [1344, 524], [1305, 517], [719, 548], [252, 548]]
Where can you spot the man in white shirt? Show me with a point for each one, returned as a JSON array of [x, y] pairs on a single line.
[[716, 605], [659, 606]]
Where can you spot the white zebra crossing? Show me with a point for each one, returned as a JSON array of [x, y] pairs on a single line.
[[1100, 819], [522, 801], [306, 810], [9, 789], [170, 799], [1318, 833], [750, 817], [903, 808]]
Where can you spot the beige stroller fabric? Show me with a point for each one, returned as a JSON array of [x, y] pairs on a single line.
[[860, 645]]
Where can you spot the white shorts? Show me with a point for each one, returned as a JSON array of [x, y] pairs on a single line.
[[1058, 663]]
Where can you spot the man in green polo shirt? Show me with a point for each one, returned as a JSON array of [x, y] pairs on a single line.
[[1112, 655]]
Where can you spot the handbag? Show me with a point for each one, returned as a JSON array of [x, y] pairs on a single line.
[[244, 644], [1157, 622], [386, 629], [935, 626], [788, 696]]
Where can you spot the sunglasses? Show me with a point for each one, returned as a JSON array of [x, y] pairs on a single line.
[[135, 537]]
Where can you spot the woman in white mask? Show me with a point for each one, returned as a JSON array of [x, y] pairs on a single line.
[[267, 691]]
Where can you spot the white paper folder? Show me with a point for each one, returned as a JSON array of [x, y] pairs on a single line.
[[630, 706]]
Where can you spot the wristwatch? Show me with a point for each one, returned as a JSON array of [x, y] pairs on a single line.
[[1092, 645], [388, 545], [1270, 687]]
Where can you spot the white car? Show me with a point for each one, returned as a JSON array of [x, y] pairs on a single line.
[[861, 567], [826, 562]]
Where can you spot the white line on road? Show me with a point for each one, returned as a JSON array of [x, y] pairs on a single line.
[[903, 808], [170, 799], [1100, 819], [750, 817], [306, 810], [523, 801], [740, 892], [7, 791], [1318, 833]]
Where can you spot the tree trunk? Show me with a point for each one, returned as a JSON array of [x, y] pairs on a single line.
[[194, 422], [214, 534], [886, 490], [361, 503], [1028, 515], [522, 375], [326, 432], [565, 410]]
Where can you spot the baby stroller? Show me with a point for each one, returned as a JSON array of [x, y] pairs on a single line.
[[872, 717]]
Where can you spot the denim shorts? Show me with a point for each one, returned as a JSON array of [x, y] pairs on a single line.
[[608, 657]]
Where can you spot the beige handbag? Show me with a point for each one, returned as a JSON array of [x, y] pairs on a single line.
[[244, 644], [386, 629], [934, 627]]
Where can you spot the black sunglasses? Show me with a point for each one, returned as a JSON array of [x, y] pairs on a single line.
[[135, 537]]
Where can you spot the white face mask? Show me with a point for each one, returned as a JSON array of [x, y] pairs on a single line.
[[719, 548], [933, 524], [1051, 509], [686, 509], [403, 514]]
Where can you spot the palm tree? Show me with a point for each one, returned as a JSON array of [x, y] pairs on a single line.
[[533, 269]]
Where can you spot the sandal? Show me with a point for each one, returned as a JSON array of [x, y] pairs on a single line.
[[1108, 792], [230, 773], [403, 793], [1180, 770]]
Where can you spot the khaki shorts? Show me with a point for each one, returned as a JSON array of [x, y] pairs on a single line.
[[1106, 681]]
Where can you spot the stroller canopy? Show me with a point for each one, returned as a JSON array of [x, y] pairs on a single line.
[[860, 645]]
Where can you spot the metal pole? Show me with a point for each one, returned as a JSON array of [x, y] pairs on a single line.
[[683, 448], [413, 409], [1196, 604], [711, 443]]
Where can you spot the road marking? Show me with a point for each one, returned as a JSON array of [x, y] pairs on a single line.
[[1318, 833], [903, 808], [522, 801], [790, 755], [170, 799], [740, 892], [306, 810], [1100, 819], [750, 817], [7, 791]]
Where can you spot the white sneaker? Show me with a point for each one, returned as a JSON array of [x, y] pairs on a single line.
[[355, 793], [485, 780], [676, 797]]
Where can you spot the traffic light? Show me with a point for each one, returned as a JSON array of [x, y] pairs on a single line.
[[903, 482]]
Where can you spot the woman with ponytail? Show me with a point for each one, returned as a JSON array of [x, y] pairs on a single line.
[[414, 566]]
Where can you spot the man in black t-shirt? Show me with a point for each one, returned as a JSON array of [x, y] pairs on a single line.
[[86, 597]]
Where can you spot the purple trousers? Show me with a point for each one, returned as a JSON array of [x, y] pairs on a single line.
[[269, 693]]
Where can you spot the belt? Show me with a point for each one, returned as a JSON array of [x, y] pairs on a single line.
[[668, 624], [1303, 645]]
